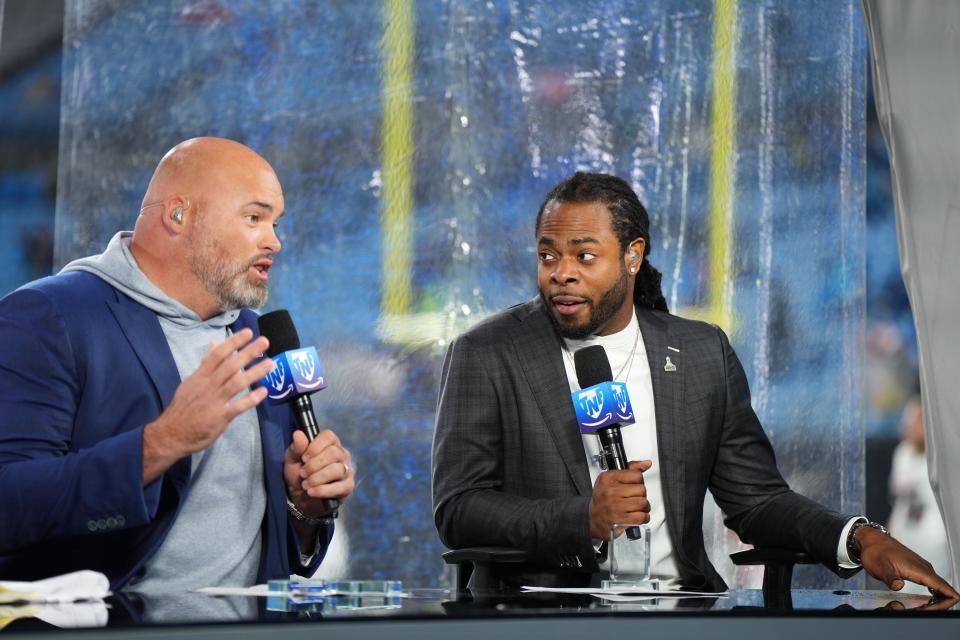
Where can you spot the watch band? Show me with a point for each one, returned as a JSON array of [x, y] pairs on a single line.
[[852, 549], [302, 517]]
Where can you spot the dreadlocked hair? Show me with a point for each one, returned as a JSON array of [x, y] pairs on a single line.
[[630, 220]]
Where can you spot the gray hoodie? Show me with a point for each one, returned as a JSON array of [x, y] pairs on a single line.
[[215, 539]]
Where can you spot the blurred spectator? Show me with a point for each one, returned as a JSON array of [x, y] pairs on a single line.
[[915, 519], [891, 377]]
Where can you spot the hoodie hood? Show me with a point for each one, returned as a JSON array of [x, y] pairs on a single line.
[[117, 266]]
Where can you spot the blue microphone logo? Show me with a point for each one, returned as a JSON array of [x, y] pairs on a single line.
[[602, 405], [294, 373]]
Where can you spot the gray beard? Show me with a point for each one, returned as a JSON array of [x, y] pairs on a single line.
[[227, 282]]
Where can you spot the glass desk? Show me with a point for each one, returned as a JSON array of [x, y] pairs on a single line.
[[433, 613]]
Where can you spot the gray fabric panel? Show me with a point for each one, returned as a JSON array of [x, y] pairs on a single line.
[[915, 55]]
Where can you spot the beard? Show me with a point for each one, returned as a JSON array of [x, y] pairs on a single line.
[[600, 314], [610, 302], [228, 281]]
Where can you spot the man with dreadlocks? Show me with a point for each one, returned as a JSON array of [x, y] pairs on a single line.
[[510, 467]]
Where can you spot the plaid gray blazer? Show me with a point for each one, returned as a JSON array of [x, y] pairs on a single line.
[[509, 468]]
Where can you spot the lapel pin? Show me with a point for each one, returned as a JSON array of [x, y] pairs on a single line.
[[674, 349], [669, 366]]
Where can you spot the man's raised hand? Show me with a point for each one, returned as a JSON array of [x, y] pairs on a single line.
[[204, 403]]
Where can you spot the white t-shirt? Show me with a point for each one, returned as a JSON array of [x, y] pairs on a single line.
[[639, 439]]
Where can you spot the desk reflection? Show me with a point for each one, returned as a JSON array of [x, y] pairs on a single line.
[[129, 610]]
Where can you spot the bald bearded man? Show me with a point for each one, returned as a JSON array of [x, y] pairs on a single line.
[[133, 439]]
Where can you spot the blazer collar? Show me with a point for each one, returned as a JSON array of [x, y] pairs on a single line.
[[539, 353], [665, 356], [142, 330]]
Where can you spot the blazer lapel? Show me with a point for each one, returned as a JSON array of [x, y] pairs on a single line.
[[143, 332], [273, 437], [272, 434], [539, 354], [665, 356]]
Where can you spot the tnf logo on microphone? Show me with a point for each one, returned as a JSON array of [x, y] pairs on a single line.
[[602, 405], [294, 373]]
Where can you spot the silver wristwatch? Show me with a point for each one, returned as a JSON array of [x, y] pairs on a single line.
[[852, 549], [295, 511]]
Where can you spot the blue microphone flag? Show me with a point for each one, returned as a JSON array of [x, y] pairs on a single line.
[[295, 373], [602, 405]]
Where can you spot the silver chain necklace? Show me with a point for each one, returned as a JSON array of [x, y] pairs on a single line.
[[627, 364]]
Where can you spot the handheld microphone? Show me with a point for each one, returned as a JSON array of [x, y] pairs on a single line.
[[296, 374], [602, 406]]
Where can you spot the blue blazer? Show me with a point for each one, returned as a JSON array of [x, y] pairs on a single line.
[[83, 368]]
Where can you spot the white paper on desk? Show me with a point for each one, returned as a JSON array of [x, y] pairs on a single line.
[[629, 592], [667, 595], [66, 615], [69, 587], [74, 615]]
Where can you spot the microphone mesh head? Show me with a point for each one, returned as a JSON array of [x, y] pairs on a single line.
[[592, 366], [279, 330]]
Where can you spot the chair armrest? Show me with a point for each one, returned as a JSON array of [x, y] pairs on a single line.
[[485, 555], [771, 556], [777, 572], [478, 560]]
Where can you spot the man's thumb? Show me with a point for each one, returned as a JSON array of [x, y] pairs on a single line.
[[298, 445]]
